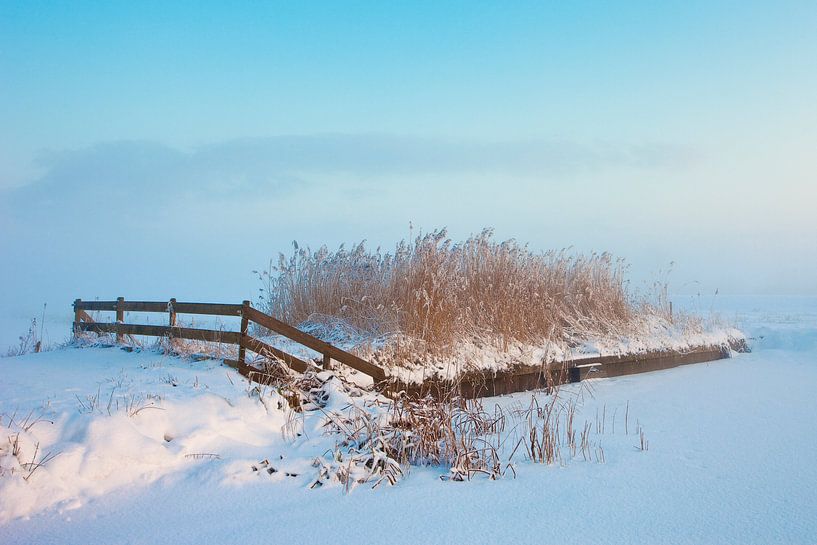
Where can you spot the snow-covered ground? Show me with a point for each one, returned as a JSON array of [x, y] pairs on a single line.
[[153, 449]]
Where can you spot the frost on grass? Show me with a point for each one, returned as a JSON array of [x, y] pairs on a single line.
[[149, 417], [30, 341], [20, 454], [436, 307]]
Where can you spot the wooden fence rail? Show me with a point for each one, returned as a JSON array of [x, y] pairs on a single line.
[[241, 338]]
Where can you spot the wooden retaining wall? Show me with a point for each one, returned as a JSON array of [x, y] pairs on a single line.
[[524, 378]]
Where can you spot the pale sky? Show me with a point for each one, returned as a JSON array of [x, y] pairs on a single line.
[[157, 151]]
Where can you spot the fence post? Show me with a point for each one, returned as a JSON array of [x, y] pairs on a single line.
[[327, 361], [120, 318], [242, 352], [77, 303], [171, 310]]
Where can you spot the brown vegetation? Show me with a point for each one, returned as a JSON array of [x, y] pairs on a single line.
[[436, 292]]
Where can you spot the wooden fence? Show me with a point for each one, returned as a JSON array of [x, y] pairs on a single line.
[[470, 384], [241, 338]]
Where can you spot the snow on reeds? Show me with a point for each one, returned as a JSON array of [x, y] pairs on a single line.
[[379, 440], [433, 299], [437, 291]]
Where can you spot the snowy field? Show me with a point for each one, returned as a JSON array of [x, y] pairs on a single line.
[[152, 449]]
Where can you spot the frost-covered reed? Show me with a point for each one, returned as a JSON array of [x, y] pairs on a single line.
[[434, 292]]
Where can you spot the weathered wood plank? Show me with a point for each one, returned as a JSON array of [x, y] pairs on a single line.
[[209, 335], [95, 305], [77, 313], [245, 323], [614, 366], [525, 378], [253, 374], [263, 349], [316, 344], [180, 307], [146, 306], [217, 309], [120, 318]]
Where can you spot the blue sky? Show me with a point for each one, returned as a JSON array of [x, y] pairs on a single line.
[[189, 73], [661, 131]]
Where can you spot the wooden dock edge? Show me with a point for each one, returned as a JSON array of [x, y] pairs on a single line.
[[525, 378]]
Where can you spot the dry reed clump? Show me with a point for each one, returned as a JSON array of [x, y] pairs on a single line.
[[378, 440], [380, 445], [431, 293], [30, 341], [462, 436]]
